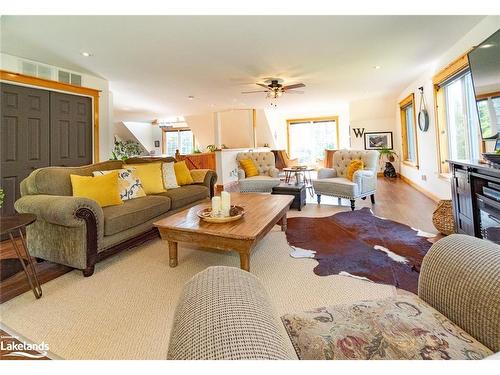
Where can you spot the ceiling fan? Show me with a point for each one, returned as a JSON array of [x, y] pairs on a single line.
[[274, 88]]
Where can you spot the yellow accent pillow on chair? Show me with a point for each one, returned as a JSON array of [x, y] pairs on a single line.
[[249, 167], [103, 189], [355, 165], [182, 173], [150, 175]]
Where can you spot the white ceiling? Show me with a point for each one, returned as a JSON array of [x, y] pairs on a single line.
[[153, 63]]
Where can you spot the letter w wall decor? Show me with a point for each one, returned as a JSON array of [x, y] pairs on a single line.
[[358, 132]]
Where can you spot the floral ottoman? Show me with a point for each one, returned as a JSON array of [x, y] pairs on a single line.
[[402, 327]]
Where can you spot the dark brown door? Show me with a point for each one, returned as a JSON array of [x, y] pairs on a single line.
[[70, 130], [24, 138]]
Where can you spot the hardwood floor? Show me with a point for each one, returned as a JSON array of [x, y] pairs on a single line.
[[395, 200], [17, 284]]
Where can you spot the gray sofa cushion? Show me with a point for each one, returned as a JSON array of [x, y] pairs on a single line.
[[133, 212], [337, 186], [186, 194], [262, 184]]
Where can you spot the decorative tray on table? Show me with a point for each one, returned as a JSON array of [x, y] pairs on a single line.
[[235, 213]]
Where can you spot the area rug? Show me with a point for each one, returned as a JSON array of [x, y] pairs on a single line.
[[361, 245], [125, 310]]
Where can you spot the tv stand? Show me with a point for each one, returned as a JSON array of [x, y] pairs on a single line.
[[475, 190]]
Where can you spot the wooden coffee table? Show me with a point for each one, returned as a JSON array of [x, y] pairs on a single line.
[[263, 211]]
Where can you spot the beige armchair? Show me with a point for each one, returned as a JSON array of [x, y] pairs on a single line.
[[268, 173], [333, 181]]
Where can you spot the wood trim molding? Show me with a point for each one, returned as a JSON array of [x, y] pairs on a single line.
[[405, 103], [451, 69], [64, 87], [425, 192], [488, 95]]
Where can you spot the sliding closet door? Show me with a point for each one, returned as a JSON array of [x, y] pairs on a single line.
[[24, 138], [70, 130]]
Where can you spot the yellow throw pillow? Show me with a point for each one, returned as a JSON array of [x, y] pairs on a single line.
[[103, 189], [249, 167], [182, 173], [353, 167], [150, 175]]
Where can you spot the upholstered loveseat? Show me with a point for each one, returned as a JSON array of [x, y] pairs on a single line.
[[268, 173], [77, 232], [334, 182], [225, 313]]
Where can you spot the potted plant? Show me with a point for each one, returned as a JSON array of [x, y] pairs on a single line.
[[2, 196], [125, 149], [390, 157]]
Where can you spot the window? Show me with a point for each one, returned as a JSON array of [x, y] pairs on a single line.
[[182, 140], [409, 131], [309, 138], [458, 133], [489, 114]]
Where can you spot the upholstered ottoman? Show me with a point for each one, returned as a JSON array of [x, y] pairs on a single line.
[[224, 313]]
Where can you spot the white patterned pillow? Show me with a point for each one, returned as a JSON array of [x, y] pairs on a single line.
[[129, 184], [169, 179]]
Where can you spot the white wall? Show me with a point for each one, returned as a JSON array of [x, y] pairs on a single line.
[[236, 129], [203, 129], [146, 134], [427, 176], [106, 128], [374, 115]]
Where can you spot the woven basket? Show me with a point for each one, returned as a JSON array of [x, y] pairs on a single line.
[[442, 218]]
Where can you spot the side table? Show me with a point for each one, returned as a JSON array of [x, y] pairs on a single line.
[[15, 224]]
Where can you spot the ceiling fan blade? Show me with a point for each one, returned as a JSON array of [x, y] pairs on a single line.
[[262, 85], [293, 92], [295, 86], [251, 92]]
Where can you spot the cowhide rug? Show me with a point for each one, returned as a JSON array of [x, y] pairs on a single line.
[[361, 245]]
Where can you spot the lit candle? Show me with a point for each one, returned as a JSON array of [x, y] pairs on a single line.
[[226, 203], [216, 206]]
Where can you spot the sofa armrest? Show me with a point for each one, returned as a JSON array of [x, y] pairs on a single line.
[[366, 179], [241, 174], [210, 180], [59, 210], [460, 277], [233, 306], [327, 173], [273, 172]]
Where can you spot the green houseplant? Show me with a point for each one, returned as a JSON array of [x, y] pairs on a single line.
[[125, 149], [389, 156], [2, 196]]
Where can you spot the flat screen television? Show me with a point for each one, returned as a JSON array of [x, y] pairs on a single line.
[[484, 63]]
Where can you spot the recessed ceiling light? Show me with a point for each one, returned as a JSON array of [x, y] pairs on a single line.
[[487, 45], [86, 54], [377, 67], [190, 97]]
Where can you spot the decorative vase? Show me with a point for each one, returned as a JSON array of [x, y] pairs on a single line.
[[389, 170]]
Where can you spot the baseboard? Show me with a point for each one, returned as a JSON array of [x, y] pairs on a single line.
[[425, 192]]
